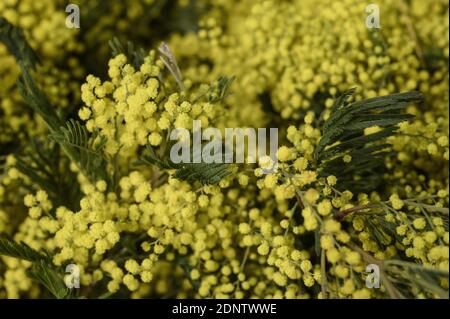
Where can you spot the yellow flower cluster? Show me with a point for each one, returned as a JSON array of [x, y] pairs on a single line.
[[133, 108], [299, 60]]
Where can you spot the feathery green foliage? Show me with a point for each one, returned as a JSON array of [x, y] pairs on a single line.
[[42, 270], [20, 250], [135, 55], [83, 148], [73, 137], [152, 158], [37, 100], [27, 59], [407, 276], [343, 134], [13, 38], [50, 279], [44, 165], [219, 90], [206, 173]]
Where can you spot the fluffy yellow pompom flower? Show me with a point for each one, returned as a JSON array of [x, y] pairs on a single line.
[[284, 154], [263, 249], [396, 202], [324, 207]]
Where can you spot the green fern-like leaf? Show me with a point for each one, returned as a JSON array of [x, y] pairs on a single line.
[[44, 165], [37, 100], [135, 55], [220, 89], [343, 134], [13, 249], [206, 173], [26, 58], [154, 159], [42, 270], [17, 45], [76, 142], [216, 91], [50, 279], [407, 276], [83, 148]]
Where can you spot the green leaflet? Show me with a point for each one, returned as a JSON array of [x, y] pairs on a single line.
[[343, 134], [76, 142], [219, 90], [83, 148], [152, 158], [37, 100], [49, 278], [20, 250], [206, 173], [408, 276], [44, 165], [17, 45], [42, 270], [352, 117], [135, 55]]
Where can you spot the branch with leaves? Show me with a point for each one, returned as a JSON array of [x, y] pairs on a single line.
[[343, 135], [81, 147], [42, 269]]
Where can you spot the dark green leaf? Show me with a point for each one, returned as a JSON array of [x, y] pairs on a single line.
[[135, 55], [83, 148], [48, 277], [152, 158], [14, 40], [343, 134], [206, 173], [16, 43], [44, 165], [19, 250], [219, 90]]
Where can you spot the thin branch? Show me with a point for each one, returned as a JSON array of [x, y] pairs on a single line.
[[343, 213], [323, 275]]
